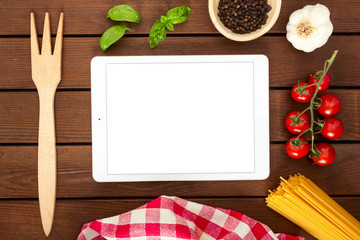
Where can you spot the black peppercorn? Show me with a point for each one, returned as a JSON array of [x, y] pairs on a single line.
[[243, 16]]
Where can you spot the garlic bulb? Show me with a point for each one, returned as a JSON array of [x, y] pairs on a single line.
[[309, 28]]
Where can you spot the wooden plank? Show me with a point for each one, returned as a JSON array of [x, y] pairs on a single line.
[[82, 17], [18, 177], [21, 112], [281, 103], [19, 121], [22, 216], [287, 65]]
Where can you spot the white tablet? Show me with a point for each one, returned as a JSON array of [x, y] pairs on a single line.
[[176, 118]]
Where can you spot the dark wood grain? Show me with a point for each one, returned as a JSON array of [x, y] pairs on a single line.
[[89, 17], [287, 65], [20, 116], [19, 121], [18, 176], [85, 21], [22, 219]]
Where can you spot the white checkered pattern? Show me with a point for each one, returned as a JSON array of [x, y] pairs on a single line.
[[173, 218]]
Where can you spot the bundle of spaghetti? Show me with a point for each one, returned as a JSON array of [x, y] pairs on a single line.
[[305, 204]]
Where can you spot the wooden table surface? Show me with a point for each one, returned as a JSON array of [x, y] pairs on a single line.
[[79, 198]]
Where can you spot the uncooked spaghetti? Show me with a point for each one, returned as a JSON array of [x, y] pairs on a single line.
[[304, 203]]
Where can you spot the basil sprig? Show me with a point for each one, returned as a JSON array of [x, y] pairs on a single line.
[[173, 16], [124, 13], [112, 35], [118, 13]]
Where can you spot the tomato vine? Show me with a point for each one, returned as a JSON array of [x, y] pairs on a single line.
[[314, 104]]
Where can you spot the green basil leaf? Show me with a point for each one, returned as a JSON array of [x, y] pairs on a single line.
[[111, 35], [157, 33], [163, 19], [124, 13], [178, 15], [169, 25]]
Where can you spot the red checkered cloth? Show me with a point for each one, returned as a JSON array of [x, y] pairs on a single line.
[[175, 218]]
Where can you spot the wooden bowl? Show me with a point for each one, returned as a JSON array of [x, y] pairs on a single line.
[[273, 16]]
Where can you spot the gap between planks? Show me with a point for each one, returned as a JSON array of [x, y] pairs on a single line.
[[129, 35], [193, 198]]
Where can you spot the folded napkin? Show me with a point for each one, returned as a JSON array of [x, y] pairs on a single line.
[[175, 218]]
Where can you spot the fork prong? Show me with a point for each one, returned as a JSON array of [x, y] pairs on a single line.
[[46, 39], [59, 36], [33, 37]]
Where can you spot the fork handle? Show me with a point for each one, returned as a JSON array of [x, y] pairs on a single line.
[[47, 160]]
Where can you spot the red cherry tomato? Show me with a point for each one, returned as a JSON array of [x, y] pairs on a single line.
[[297, 123], [315, 77], [330, 105], [326, 156], [301, 93], [333, 128], [297, 149]]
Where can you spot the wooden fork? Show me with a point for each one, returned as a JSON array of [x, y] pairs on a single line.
[[46, 74]]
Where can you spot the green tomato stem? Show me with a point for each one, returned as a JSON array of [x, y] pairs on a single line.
[[312, 126], [327, 66], [313, 84], [298, 137], [306, 109]]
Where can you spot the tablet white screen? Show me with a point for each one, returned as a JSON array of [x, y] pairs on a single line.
[[180, 118]]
